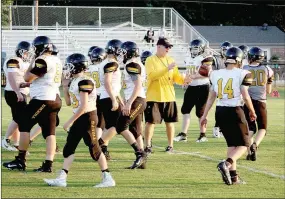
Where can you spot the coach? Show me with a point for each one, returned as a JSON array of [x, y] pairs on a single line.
[[162, 73]]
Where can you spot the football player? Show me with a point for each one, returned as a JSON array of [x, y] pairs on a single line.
[[245, 50], [230, 87], [80, 93], [110, 101], [130, 120], [98, 55], [144, 56], [197, 91], [44, 74], [220, 64], [16, 90], [261, 86]]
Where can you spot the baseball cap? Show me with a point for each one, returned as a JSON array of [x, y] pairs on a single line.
[[164, 42]]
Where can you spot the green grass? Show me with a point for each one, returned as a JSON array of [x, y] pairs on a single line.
[[192, 175]]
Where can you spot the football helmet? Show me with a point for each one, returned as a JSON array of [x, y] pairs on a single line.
[[98, 55], [54, 50], [24, 51], [75, 63], [224, 47], [233, 56], [145, 55], [255, 54], [113, 47], [42, 44], [197, 47], [91, 49], [129, 50], [245, 50]]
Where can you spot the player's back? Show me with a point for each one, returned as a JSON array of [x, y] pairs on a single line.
[[261, 75], [226, 83], [46, 87], [18, 67], [110, 65]]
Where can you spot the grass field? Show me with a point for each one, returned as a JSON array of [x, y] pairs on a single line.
[[188, 173]]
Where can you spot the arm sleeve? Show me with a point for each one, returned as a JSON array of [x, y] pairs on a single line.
[[247, 80], [177, 76], [13, 65], [86, 86], [133, 69], [40, 68], [111, 67], [152, 72]]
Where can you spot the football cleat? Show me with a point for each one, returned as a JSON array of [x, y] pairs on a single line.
[[44, 168], [16, 164], [202, 138], [6, 144], [107, 181], [224, 170], [253, 149], [216, 132], [181, 137], [59, 181], [140, 159], [169, 149]]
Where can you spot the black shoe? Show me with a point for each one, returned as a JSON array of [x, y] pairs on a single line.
[[224, 170], [106, 152], [140, 159], [16, 164], [148, 150], [44, 168], [253, 149], [248, 157]]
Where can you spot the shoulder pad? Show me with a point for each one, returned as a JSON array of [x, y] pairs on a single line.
[[111, 67], [247, 81], [13, 63], [133, 68], [86, 85]]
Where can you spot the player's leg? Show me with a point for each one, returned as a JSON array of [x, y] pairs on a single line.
[[188, 104], [261, 113], [200, 107]]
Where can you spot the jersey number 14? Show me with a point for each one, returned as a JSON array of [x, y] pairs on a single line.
[[227, 89]]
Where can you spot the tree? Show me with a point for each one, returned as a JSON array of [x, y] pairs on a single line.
[[5, 12]]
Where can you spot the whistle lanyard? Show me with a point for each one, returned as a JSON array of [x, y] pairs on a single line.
[[164, 65]]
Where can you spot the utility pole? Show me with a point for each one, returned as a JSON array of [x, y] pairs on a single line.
[[36, 4]]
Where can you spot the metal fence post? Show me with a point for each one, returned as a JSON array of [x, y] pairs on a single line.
[[66, 20], [171, 21], [99, 17], [163, 17], [132, 17], [33, 17], [10, 16], [177, 33]]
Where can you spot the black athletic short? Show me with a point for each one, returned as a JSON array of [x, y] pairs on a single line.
[[195, 96], [110, 116], [261, 113], [43, 112], [155, 112], [123, 123], [17, 108], [233, 124], [101, 121]]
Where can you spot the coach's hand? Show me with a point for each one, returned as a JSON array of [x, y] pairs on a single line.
[[187, 80], [203, 121], [127, 109], [115, 105], [252, 116]]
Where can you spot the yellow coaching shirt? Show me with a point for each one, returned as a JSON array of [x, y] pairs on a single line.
[[159, 80]]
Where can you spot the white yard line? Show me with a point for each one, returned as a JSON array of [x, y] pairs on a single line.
[[198, 154]]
